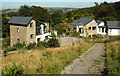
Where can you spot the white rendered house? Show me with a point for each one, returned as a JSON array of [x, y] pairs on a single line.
[[101, 28], [113, 28]]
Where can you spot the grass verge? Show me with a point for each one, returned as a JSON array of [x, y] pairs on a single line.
[[47, 61]]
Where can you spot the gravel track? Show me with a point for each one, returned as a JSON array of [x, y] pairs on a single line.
[[84, 64]]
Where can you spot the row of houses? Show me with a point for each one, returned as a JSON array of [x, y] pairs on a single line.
[[29, 29], [89, 27]]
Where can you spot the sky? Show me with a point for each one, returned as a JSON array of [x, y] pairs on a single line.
[[15, 4], [58, 0]]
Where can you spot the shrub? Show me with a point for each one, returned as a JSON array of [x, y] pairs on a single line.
[[5, 42], [10, 49], [40, 45], [19, 45], [31, 46], [13, 70], [53, 43]]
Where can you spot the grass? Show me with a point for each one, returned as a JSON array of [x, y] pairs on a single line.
[[112, 58], [47, 61], [95, 40]]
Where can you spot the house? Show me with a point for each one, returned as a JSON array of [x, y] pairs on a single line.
[[113, 28], [101, 28], [28, 30], [89, 27]]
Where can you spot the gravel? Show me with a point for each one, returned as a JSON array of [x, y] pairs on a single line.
[[83, 64]]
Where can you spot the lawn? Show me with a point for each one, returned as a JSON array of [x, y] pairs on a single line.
[[47, 61]]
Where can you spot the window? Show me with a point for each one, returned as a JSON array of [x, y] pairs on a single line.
[[93, 28], [89, 36], [31, 36], [46, 37], [99, 29], [102, 29], [31, 24], [18, 40], [17, 29], [89, 28]]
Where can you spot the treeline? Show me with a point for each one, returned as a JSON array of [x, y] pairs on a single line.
[[58, 20]]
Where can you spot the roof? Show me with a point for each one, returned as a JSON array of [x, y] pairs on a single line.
[[113, 24], [99, 21], [20, 20], [82, 21]]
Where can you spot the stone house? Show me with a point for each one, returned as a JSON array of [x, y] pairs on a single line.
[[28, 30], [89, 27]]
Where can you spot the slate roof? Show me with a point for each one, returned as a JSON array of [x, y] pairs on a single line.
[[82, 21], [113, 24], [99, 21], [20, 20]]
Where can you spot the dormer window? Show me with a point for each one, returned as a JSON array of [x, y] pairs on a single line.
[[31, 24], [18, 30]]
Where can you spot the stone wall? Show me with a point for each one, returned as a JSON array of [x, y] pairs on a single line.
[[68, 40]]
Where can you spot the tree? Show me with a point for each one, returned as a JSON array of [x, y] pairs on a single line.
[[40, 13], [5, 27], [35, 11], [56, 18], [25, 11]]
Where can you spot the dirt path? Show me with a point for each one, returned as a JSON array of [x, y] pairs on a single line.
[[91, 62]]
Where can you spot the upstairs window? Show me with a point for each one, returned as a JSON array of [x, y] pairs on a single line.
[[93, 28], [102, 29], [31, 24], [18, 30], [89, 28], [99, 29], [31, 36]]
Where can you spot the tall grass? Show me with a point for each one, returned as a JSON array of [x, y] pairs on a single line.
[[48, 61], [112, 56]]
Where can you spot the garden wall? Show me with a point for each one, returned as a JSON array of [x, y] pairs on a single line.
[[68, 40]]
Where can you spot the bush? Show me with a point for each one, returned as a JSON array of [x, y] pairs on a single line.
[[19, 45], [14, 70], [5, 42], [10, 49], [53, 43], [31, 46], [40, 45]]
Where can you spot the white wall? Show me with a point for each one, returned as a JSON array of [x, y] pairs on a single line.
[[99, 31], [113, 32], [42, 37]]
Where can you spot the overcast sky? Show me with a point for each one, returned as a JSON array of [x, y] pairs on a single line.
[[59, 0]]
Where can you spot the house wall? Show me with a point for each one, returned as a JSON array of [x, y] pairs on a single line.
[[113, 32], [14, 35], [31, 30], [91, 32], [99, 31]]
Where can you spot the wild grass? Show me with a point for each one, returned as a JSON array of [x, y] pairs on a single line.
[[47, 61], [113, 58]]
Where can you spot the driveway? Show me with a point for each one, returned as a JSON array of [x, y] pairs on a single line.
[[90, 62]]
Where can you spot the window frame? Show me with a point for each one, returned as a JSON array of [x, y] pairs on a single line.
[[18, 30], [93, 28], [18, 40], [89, 28], [31, 36], [31, 24]]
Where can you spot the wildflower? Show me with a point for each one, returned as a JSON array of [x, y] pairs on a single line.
[[24, 46], [80, 41]]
